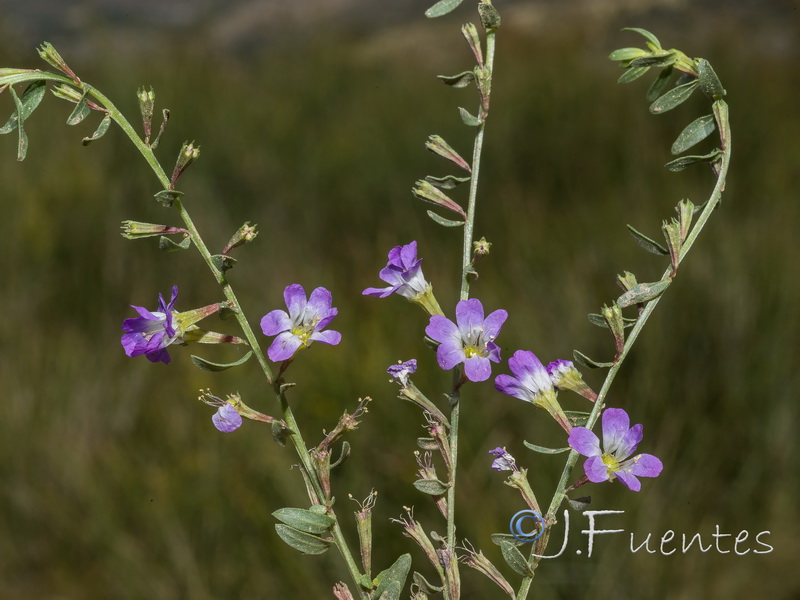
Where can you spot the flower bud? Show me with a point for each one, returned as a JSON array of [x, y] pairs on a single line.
[[246, 233], [51, 56], [479, 562], [613, 318], [147, 101], [134, 230], [471, 35], [187, 156]]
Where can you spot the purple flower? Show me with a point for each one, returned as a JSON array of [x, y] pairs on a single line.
[[402, 371], [470, 342], [503, 460], [557, 369], [227, 418], [619, 443], [151, 332], [302, 325], [530, 381], [403, 273]]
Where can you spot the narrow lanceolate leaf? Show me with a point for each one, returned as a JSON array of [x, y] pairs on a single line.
[[25, 105], [632, 74], [302, 541], [461, 80], [81, 110], [577, 418], [709, 82], [167, 197], [659, 84], [676, 96], [305, 520], [679, 164], [390, 582], [468, 118], [99, 132], [432, 487], [22, 143], [444, 222], [448, 182], [694, 133], [657, 59], [650, 37], [207, 365], [627, 54], [441, 8], [643, 292], [543, 450], [515, 559], [648, 244], [587, 362]]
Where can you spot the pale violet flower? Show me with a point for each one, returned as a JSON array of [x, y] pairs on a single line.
[[403, 370], [470, 340], [503, 461], [227, 418], [303, 323], [615, 460]]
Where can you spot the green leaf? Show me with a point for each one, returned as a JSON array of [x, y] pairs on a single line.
[[444, 222], [432, 487], [99, 132], [207, 365], [469, 119], [168, 245], [650, 37], [580, 504], [643, 292], [679, 164], [543, 450], [587, 362], [648, 244], [425, 586], [676, 96], [280, 433], [390, 582], [657, 59], [81, 110], [659, 84], [514, 559], [24, 105], [223, 262], [448, 182], [167, 197], [709, 82], [632, 74], [460, 80], [694, 133], [506, 538], [627, 54], [578, 418], [441, 8], [302, 541], [305, 520]]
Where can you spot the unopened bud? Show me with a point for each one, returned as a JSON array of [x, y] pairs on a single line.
[[147, 102], [246, 233], [134, 230], [187, 156], [51, 56]]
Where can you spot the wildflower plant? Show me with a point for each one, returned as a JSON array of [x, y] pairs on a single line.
[[464, 339]]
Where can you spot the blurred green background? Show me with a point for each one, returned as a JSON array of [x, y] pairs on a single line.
[[114, 482]]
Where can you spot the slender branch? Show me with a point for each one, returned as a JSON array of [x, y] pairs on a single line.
[[721, 114]]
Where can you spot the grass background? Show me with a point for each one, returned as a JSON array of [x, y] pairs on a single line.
[[114, 483]]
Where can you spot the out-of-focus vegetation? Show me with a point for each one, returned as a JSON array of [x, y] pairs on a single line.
[[114, 482]]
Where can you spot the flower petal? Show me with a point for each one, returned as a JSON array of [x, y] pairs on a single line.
[[320, 301], [477, 368], [646, 465], [615, 425], [275, 322], [227, 419], [494, 322], [449, 354], [584, 441], [629, 481], [443, 330], [594, 467], [283, 347], [295, 297], [469, 315], [327, 337], [629, 442], [511, 386]]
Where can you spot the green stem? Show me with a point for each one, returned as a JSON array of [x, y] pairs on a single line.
[[288, 416], [721, 114], [466, 268]]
